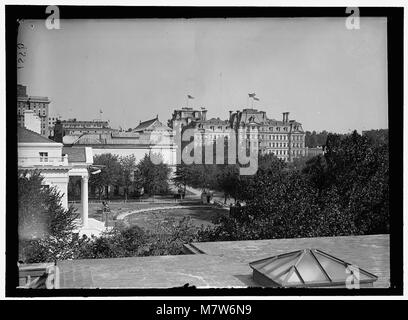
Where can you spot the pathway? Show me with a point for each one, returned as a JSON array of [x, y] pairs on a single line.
[[122, 215]]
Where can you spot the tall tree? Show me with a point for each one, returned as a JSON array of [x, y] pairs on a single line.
[[228, 181], [181, 176], [127, 177], [154, 176], [110, 174]]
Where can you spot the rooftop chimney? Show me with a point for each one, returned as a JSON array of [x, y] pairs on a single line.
[[204, 115], [285, 118]]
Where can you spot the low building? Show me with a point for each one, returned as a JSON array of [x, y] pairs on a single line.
[[38, 152], [148, 137], [56, 164], [79, 127]]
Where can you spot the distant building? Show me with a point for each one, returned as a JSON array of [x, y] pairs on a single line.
[[148, 137], [285, 138], [79, 127], [313, 152], [52, 120], [39, 105], [185, 116], [212, 129], [154, 131]]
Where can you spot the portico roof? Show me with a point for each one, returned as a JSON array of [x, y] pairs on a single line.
[[79, 156], [75, 154]]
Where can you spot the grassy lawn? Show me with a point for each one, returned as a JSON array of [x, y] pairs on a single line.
[[206, 216]]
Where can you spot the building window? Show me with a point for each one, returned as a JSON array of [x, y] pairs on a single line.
[[43, 156]]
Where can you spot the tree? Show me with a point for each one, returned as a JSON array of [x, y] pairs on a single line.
[[128, 168], [45, 228], [110, 174], [154, 176], [181, 176], [357, 167], [343, 192], [228, 181]]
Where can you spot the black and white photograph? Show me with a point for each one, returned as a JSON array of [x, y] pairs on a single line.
[[201, 149]]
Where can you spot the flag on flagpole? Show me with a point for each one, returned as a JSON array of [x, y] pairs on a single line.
[[251, 95], [190, 97]]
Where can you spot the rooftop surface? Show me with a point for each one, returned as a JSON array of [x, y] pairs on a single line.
[[76, 154], [371, 252], [145, 124], [25, 135], [222, 264]]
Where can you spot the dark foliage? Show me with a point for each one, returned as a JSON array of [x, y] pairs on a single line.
[[45, 228], [343, 192]]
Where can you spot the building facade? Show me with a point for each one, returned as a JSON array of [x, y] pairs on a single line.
[[185, 116], [149, 137], [285, 139], [39, 105], [56, 165], [32, 121], [76, 127]]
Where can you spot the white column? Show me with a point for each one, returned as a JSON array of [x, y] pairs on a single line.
[[64, 200], [84, 201]]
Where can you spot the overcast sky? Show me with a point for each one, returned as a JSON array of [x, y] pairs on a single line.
[[326, 76]]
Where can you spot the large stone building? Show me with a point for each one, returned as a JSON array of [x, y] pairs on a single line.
[[186, 116], [39, 105], [284, 138]]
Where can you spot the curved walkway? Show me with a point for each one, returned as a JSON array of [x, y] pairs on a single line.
[[121, 216]]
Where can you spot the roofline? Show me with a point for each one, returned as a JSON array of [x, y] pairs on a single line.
[[155, 118], [40, 144]]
